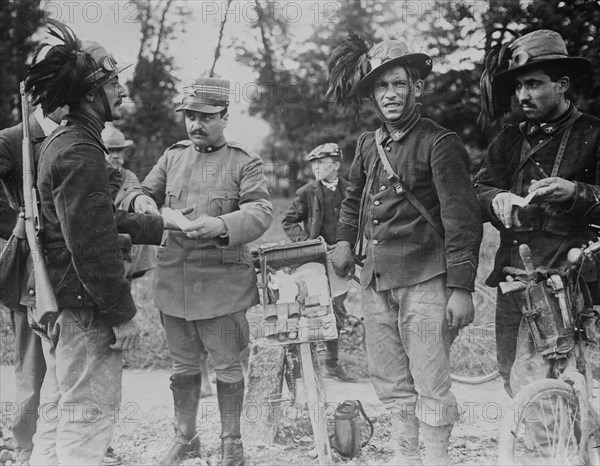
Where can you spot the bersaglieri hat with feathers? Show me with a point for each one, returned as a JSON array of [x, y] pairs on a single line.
[[355, 63], [62, 74], [505, 60]]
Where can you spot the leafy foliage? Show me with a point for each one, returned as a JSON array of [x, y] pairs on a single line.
[[293, 83], [153, 123], [19, 19], [455, 34]]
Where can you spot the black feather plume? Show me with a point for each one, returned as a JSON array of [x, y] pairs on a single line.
[[495, 97], [57, 79], [347, 65]]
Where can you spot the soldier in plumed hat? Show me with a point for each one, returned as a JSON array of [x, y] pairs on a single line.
[[410, 198], [83, 342], [314, 213], [553, 153], [205, 279]]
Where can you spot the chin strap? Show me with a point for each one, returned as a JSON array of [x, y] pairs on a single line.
[[107, 109]]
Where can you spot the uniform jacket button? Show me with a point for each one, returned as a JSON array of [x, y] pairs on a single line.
[[383, 188], [31, 292], [375, 242], [515, 242], [79, 297], [376, 202], [388, 149], [375, 221]]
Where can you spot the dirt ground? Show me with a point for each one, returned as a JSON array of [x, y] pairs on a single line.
[[144, 423]]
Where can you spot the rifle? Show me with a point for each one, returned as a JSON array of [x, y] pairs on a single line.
[[46, 306]]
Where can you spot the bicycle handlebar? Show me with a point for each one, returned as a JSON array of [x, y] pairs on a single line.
[[576, 256]]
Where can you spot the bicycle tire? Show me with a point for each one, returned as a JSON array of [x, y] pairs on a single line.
[[520, 432], [473, 353]]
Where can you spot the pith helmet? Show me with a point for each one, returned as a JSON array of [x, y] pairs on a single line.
[[206, 95], [114, 139], [329, 149], [391, 53], [540, 47]]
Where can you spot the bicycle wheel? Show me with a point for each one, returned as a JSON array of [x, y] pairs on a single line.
[[473, 353], [593, 448], [543, 428], [352, 333]]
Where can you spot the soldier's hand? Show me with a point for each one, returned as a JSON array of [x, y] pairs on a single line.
[[206, 227], [342, 259], [505, 210], [145, 205], [553, 189], [459, 310], [127, 336]]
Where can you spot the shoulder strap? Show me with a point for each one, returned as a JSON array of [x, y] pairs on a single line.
[[392, 176], [527, 152]]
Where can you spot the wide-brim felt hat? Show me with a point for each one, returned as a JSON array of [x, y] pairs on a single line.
[[389, 54], [114, 139], [538, 48], [206, 95]]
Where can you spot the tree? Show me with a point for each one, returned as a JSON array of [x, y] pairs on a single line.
[[153, 124], [293, 81], [456, 35], [454, 100], [19, 19]]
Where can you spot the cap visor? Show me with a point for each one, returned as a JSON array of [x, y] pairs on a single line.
[[203, 108]]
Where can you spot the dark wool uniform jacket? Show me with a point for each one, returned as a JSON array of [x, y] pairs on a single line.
[[80, 235], [402, 247], [307, 207], [549, 230]]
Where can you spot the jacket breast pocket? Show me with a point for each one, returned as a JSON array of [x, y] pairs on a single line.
[[173, 197], [223, 201]]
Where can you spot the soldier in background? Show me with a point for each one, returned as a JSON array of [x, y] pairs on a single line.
[[142, 257], [314, 213]]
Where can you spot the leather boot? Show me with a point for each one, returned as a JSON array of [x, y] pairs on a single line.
[[186, 397], [332, 368], [436, 439], [405, 438], [231, 399]]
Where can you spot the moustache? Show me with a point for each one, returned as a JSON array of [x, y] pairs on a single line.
[[198, 133]]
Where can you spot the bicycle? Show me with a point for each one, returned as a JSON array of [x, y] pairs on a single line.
[[555, 421], [296, 297]]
